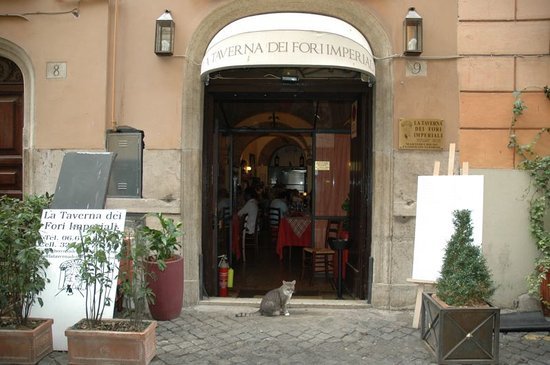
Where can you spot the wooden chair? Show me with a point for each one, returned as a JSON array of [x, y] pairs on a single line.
[[249, 239], [320, 259], [274, 220], [226, 216]]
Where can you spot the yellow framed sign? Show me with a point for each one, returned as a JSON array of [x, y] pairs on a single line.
[[421, 134]]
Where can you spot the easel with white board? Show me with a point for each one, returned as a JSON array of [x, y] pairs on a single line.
[[437, 198]]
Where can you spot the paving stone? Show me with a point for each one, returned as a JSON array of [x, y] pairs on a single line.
[[209, 334]]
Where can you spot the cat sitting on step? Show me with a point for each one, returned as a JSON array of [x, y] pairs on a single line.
[[275, 302]]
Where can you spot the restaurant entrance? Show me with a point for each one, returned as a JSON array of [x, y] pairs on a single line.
[[305, 143]]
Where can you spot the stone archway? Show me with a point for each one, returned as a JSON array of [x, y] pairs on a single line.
[[20, 58], [192, 129]]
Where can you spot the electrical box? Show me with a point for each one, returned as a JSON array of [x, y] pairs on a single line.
[[127, 171]]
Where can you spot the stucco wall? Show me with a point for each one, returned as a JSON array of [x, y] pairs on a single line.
[[507, 243], [70, 112]]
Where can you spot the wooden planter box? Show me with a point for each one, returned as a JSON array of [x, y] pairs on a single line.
[[26, 346], [111, 347], [459, 335]]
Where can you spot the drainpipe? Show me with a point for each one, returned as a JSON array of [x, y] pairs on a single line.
[[113, 66]]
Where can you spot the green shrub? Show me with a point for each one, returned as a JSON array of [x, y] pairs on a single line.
[[465, 277], [22, 264]]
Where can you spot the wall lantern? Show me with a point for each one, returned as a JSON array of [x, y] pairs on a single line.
[[412, 29], [164, 35]]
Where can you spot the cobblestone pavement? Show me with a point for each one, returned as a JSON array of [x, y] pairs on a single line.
[[211, 334]]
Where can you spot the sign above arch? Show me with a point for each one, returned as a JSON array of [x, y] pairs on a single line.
[[287, 40]]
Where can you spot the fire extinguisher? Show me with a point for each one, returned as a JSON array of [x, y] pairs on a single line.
[[223, 271]]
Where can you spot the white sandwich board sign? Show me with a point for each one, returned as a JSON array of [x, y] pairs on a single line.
[[64, 296]]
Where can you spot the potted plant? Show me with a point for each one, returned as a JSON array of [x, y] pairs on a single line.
[[165, 266], [458, 323], [132, 278], [96, 340], [23, 264]]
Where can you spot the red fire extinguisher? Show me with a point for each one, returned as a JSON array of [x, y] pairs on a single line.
[[223, 271]]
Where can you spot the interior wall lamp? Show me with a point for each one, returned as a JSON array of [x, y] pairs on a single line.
[[412, 33], [290, 76], [164, 35]]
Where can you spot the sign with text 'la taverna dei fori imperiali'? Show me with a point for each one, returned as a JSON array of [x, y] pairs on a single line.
[[421, 134]]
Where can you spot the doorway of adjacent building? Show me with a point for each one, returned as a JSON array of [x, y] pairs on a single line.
[[11, 129], [306, 142]]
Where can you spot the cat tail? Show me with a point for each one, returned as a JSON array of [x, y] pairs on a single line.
[[248, 314]]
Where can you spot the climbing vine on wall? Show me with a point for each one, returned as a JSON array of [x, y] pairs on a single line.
[[538, 168]]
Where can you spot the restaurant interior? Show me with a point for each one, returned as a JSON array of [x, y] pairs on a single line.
[[298, 151]]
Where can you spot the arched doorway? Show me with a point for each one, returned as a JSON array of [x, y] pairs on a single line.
[[193, 186], [11, 128], [328, 105]]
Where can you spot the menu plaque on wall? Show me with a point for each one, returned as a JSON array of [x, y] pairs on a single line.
[[322, 165], [421, 134]]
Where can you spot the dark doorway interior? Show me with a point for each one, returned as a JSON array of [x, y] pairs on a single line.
[[11, 129], [306, 139]]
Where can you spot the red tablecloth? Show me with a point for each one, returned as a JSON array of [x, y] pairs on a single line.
[[293, 231]]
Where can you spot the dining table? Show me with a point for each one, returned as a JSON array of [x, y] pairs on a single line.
[[294, 231]]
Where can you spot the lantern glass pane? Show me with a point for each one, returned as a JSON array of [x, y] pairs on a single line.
[[165, 39], [413, 43]]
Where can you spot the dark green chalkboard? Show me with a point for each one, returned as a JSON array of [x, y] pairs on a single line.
[[83, 180]]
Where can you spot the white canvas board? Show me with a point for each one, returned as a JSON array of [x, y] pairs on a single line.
[[64, 296], [437, 198]]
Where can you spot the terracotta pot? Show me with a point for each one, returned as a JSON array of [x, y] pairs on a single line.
[[167, 286], [111, 347], [26, 346]]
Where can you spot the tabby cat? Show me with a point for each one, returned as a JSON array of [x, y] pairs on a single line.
[[275, 302]]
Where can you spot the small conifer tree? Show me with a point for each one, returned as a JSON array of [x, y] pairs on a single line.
[[465, 277]]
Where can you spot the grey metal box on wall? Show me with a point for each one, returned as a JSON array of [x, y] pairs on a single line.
[[127, 171]]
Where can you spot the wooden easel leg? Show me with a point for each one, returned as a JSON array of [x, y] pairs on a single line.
[[418, 305]]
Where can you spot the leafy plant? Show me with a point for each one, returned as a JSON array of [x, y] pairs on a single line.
[[163, 242], [133, 278], [96, 251], [539, 170], [23, 263], [465, 277]]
